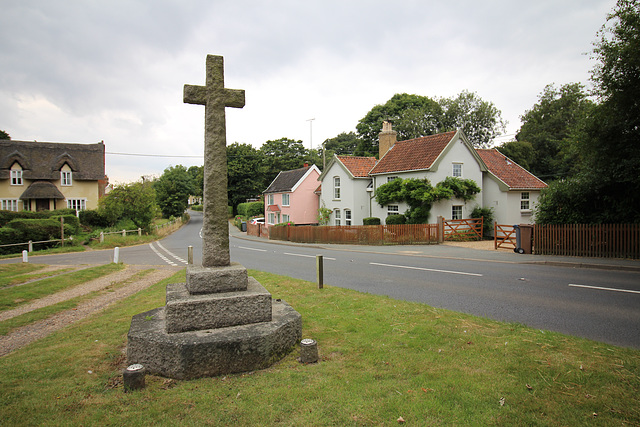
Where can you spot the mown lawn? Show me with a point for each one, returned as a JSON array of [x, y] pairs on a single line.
[[381, 359]]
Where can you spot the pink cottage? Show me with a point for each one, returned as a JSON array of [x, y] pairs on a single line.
[[291, 197]]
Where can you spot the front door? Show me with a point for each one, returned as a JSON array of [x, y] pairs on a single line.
[[42, 204]]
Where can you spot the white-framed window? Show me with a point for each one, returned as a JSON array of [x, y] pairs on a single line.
[[393, 210], [457, 170], [16, 177], [271, 218], [9, 205], [524, 201], [456, 212], [347, 217], [77, 204], [337, 216], [270, 201], [285, 200], [285, 218], [391, 178], [336, 188], [65, 178]]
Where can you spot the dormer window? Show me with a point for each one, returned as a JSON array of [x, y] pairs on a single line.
[[66, 178], [16, 177]]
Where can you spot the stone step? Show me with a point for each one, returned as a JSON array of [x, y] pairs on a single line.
[[188, 312], [208, 280], [211, 352]]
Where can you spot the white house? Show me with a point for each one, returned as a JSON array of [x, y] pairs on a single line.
[[349, 190], [346, 189], [509, 189]]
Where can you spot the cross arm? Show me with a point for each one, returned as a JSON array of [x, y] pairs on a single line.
[[196, 95]]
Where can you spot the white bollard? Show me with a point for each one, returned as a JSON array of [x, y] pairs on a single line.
[[25, 256], [116, 255]]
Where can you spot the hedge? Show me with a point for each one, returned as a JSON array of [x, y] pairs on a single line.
[[395, 219], [251, 209], [94, 218], [8, 216], [37, 229], [372, 220]]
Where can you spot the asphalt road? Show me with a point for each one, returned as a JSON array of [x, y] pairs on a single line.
[[602, 305]]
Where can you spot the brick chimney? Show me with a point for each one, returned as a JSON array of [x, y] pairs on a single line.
[[386, 138]]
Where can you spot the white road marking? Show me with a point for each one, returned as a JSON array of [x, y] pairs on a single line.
[[604, 289], [164, 258], [171, 253], [427, 269], [309, 256], [252, 249]]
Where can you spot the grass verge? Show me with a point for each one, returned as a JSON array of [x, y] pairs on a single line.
[[381, 359], [19, 295]]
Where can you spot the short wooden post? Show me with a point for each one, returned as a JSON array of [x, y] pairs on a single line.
[[102, 237], [30, 246], [62, 230], [139, 231], [320, 271], [190, 255], [124, 233]]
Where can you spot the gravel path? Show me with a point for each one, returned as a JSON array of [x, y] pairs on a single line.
[[27, 334]]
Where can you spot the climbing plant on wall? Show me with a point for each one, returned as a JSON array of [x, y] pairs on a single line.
[[420, 195]]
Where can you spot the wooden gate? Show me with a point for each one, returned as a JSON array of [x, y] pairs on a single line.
[[504, 236], [462, 229]]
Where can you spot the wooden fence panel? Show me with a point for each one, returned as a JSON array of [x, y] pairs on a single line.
[[595, 240], [405, 234]]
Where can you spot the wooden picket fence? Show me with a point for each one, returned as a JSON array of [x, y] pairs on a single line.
[[405, 234], [595, 240]]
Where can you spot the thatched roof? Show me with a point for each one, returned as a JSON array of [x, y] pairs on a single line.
[[43, 160], [42, 190]]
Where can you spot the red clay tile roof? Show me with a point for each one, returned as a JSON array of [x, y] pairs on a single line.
[[358, 166], [413, 154], [508, 171], [273, 208]]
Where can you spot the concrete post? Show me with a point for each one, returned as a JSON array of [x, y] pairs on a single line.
[[124, 233], [139, 231], [102, 237], [190, 255], [30, 246], [133, 378], [25, 256], [116, 255], [308, 351]]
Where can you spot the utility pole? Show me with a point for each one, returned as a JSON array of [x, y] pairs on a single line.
[[311, 132]]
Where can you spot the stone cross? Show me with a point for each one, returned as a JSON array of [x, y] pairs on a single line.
[[215, 97]]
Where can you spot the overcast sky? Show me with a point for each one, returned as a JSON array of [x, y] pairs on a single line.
[[86, 71]]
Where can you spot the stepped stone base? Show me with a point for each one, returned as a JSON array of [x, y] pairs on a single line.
[[187, 312], [212, 352], [207, 280]]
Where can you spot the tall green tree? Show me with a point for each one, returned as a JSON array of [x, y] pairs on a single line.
[[4, 135], [197, 176], [605, 190], [414, 116], [135, 201], [480, 120], [521, 152], [554, 127], [281, 155], [173, 189], [246, 170]]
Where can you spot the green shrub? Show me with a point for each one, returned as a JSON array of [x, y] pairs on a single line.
[[94, 218], [372, 220], [9, 236], [251, 209], [71, 223], [230, 213], [197, 208], [37, 230], [395, 219], [487, 222]]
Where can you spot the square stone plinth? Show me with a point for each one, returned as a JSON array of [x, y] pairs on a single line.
[[208, 280], [187, 312]]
